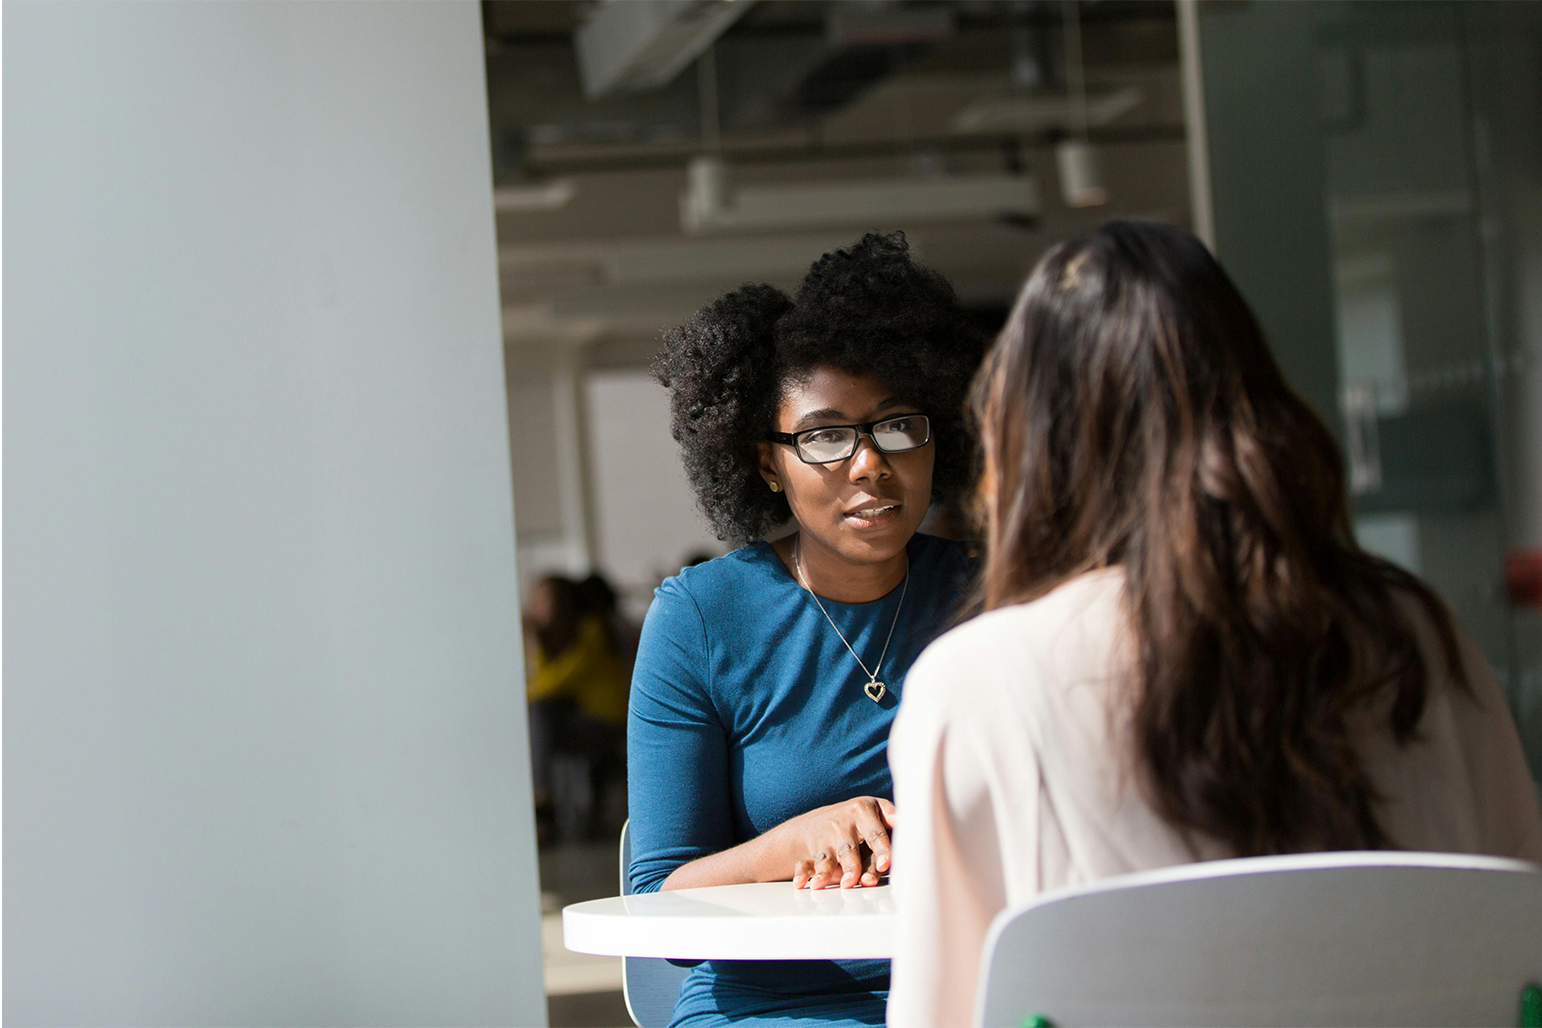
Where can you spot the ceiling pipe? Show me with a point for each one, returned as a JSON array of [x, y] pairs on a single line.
[[1081, 177], [635, 45]]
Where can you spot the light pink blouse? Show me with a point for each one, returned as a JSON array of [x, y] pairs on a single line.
[[1012, 776]]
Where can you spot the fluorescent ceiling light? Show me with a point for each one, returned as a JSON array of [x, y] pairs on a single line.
[[565, 266], [710, 204], [1035, 113], [552, 196]]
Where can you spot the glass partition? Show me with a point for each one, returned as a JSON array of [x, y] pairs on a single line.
[[1407, 162]]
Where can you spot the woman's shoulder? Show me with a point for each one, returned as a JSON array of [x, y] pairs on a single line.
[[723, 583], [934, 550], [1068, 633], [1089, 600], [944, 565]]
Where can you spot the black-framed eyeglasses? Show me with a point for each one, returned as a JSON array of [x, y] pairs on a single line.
[[830, 443]]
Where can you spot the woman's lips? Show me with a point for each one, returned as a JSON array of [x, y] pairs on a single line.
[[873, 516]]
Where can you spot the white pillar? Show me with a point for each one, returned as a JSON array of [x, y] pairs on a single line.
[[265, 757]]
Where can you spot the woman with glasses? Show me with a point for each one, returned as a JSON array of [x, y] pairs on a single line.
[[766, 679]]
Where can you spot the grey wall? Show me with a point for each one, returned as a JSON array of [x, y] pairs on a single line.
[[647, 520], [264, 744]]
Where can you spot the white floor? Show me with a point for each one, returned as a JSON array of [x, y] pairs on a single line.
[[582, 991], [568, 973]]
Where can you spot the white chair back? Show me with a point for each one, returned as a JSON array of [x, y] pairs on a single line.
[[1381, 938], [650, 986]]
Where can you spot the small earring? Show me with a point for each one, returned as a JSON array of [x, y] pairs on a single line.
[[776, 487]]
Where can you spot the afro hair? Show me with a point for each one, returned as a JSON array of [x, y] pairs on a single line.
[[867, 309]]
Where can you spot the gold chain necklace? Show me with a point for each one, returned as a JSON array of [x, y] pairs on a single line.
[[874, 688]]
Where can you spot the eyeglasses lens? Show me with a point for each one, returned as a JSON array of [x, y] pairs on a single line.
[[901, 434], [825, 445]]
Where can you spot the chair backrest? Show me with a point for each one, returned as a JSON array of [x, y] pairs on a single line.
[[651, 987], [1379, 938]]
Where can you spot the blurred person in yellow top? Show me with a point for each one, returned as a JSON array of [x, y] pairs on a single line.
[[577, 688]]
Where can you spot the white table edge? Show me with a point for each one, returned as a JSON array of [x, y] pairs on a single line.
[[596, 927]]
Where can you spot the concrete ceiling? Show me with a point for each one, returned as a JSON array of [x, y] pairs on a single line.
[[604, 272]]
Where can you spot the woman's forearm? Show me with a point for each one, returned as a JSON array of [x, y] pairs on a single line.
[[762, 859], [845, 842]]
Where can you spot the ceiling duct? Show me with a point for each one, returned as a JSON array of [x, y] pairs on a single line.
[[710, 203], [1042, 112], [888, 25], [633, 45], [863, 44]]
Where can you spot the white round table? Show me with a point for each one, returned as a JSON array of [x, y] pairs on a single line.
[[760, 921]]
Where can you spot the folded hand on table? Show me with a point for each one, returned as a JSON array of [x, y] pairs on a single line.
[[845, 843]]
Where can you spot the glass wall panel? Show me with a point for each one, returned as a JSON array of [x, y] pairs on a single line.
[[1415, 176], [1503, 62]]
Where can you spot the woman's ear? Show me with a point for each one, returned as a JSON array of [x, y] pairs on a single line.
[[768, 469]]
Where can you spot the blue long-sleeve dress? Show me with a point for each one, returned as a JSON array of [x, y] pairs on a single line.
[[747, 710]]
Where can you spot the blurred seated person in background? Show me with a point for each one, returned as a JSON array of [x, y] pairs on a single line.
[[577, 691], [1184, 653], [767, 678], [597, 598]]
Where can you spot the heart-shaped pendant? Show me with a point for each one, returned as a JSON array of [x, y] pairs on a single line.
[[874, 690]]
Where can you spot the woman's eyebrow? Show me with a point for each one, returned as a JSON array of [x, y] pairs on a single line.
[[830, 413], [823, 414]]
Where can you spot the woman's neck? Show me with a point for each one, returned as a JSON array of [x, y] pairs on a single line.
[[834, 577]]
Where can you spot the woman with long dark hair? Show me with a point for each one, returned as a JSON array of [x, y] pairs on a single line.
[[1184, 653]]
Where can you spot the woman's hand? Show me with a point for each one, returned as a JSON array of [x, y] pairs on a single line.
[[846, 842]]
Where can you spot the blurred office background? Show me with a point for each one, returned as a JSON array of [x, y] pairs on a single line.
[[1370, 173], [791, 128], [307, 176], [1372, 176]]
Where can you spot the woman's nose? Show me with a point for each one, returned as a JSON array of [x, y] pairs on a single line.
[[868, 460]]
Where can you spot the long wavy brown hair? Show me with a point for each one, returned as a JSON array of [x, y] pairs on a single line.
[[1131, 414]]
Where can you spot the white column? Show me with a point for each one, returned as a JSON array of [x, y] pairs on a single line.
[[265, 751]]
